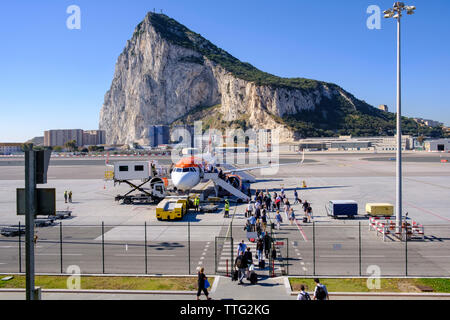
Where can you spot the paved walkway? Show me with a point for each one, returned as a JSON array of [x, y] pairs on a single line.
[[265, 289], [224, 289]]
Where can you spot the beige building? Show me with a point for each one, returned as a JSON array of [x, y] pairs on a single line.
[[53, 138], [383, 107], [94, 137], [264, 140]]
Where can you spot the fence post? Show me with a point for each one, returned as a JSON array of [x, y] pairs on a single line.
[[189, 246], [61, 246], [287, 253], [145, 229], [232, 258], [231, 228], [360, 263], [103, 247], [20, 248], [406, 250], [314, 248]]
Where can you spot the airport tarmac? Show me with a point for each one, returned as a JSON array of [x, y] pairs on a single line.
[[171, 247]]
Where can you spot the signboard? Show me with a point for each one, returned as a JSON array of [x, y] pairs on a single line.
[[42, 162], [45, 202], [279, 243]]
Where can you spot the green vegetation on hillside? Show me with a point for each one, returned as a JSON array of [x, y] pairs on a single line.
[[178, 34], [212, 118], [338, 117], [333, 117]]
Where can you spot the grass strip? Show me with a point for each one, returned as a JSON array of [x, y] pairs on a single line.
[[386, 285], [108, 283]]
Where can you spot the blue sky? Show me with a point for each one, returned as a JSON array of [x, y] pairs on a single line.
[[53, 77]]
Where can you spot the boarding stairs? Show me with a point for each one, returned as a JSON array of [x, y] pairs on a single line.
[[214, 177]]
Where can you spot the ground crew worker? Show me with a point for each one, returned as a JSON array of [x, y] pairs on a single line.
[[70, 196], [65, 196], [35, 239], [197, 203], [227, 209]]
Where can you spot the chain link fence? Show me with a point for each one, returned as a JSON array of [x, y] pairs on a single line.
[[179, 248]]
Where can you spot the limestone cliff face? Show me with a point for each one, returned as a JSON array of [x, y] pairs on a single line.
[[166, 71]]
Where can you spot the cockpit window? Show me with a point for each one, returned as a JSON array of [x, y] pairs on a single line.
[[192, 169], [185, 169], [178, 170]]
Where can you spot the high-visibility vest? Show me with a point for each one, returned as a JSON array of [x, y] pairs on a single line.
[[227, 206], [196, 201]]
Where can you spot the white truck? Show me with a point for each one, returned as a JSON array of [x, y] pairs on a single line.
[[128, 171]]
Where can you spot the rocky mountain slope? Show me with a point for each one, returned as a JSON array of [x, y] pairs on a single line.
[[166, 73]]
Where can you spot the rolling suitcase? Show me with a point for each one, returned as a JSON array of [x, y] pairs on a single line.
[[262, 264], [305, 220], [253, 278], [234, 275]]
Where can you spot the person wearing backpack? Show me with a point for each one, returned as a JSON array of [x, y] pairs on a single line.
[[241, 265], [320, 293], [303, 295]]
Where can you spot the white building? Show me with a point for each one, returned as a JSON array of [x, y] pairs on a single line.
[[10, 148], [442, 145]]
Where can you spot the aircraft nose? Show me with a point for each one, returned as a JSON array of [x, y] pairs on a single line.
[[182, 182]]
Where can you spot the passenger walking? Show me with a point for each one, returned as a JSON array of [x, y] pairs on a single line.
[[203, 284], [264, 221], [267, 244], [305, 205], [278, 203], [241, 265], [249, 260], [279, 220], [249, 211], [241, 248], [287, 208], [297, 200], [321, 292], [309, 214], [252, 221], [303, 295], [260, 249], [292, 216]]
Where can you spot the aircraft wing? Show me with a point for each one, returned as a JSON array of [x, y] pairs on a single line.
[[266, 166]]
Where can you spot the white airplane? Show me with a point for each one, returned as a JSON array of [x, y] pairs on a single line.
[[188, 172]]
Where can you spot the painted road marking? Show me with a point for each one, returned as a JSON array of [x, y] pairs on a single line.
[[349, 256], [301, 230], [57, 254], [143, 255]]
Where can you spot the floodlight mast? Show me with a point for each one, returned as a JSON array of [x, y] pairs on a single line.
[[396, 13]]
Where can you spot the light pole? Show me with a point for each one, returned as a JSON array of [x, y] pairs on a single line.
[[396, 13]]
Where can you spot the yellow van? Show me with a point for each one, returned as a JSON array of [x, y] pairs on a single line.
[[380, 209]]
